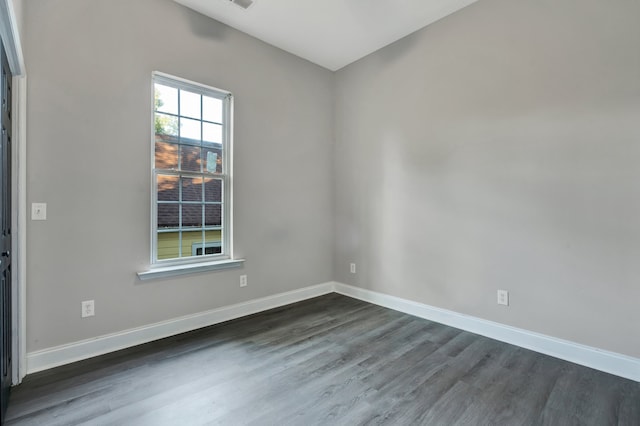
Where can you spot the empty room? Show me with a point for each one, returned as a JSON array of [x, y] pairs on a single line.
[[336, 212]]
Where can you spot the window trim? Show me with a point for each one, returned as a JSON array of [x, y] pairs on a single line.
[[190, 263], [189, 268]]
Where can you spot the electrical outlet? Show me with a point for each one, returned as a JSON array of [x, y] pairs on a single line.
[[88, 308], [503, 297], [38, 211], [352, 268], [243, 280]]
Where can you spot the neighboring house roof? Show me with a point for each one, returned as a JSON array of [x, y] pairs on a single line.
[[192, 189]]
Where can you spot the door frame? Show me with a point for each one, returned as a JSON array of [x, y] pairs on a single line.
[[19, 229], [10, 37]]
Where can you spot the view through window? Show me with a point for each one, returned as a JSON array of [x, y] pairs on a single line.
[[191, 150]]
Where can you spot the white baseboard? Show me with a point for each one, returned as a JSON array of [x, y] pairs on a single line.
[[609, 362], [65, 354]]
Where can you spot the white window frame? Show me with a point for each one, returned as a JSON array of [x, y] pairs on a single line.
[[227, 161]]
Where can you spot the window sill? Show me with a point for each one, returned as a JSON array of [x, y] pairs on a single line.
[[175, 270]]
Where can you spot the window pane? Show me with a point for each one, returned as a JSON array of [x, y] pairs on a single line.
[[168, 216], [212, 159], [213, 190], [191, 215], [212, 132], [213, 250], [197, 245], [168, 188], [166, 99], [209, 249], [191, 189], [190, 158], [190, 130], [168, 245], [166, 124], [213, 215], [166, 154], [212, 109], [189, 104]]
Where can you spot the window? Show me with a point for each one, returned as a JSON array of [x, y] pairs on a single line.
[[209, 248], [191, 170]]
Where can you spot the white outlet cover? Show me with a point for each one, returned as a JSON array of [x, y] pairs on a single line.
[[503, 297], [38, 211], [88, 308]]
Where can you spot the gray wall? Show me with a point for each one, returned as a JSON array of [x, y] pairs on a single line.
[[89, 112], [500, 149]]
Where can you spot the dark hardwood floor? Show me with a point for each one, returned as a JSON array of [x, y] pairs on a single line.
[[331, 360]]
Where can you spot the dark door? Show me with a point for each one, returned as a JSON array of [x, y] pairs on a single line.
[[5, 239]]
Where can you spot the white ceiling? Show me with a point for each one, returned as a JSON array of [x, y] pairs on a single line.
[[330, 33]]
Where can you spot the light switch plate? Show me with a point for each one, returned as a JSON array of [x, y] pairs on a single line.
[[39, 211]]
